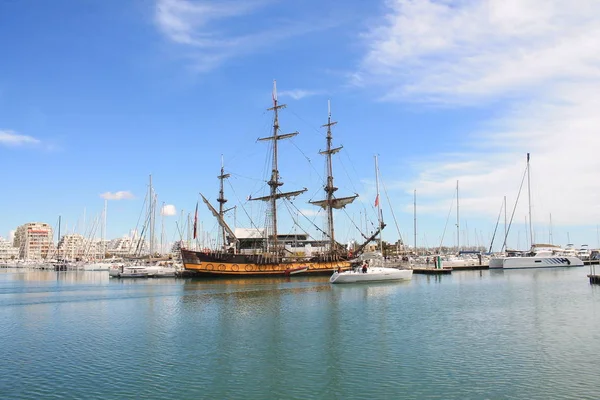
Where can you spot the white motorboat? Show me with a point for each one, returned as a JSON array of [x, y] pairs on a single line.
[[540, 256], [159, 271], [98, 266], [129, 272], [372, 274]]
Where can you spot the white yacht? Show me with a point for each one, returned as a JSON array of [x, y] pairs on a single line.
[[133, 272], [160, 271], [584, 252], [372, 274], [540, 256]]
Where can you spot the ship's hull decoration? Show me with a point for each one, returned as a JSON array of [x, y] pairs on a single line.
[[244, 265]]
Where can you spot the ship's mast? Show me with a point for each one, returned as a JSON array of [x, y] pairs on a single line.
[[274, 182], [329, 188], [222, 200], [330, 203]]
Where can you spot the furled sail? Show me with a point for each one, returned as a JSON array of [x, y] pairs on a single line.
[[219, 218], [280, 195], [335, 203]]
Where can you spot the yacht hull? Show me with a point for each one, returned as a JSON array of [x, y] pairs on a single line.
[[372, 275], [535, 262]]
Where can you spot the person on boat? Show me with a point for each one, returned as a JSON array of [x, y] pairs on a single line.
[[427, 261], [364, 267]]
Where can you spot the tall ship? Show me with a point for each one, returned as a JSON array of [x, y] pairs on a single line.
[[274, 257]]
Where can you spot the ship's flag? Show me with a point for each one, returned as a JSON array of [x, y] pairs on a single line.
[[377, 200], [274, 91], [196, 221]]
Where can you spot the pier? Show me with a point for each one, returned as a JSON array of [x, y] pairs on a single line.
[[433, 271], [593, 276]]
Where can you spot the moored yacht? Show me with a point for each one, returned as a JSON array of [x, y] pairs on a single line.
[[371, 274], [540, 256]]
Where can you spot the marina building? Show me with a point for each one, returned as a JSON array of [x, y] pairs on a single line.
[[77, 247], [122, 247], [7, 250], [34, 241]]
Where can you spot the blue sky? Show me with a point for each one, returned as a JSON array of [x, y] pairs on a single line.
[[97, 95]]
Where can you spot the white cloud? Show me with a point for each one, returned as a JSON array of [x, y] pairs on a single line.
[[11, 138], [461, 51], [539, 60], [298, 94], [168, 210], [213, 32], [121, 195]]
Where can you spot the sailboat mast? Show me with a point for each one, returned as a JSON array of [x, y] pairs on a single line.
[[379, 216], [58, 241], [104, 229], [329, 188], [505, 226], [415, 222], [222, 200], [457, 222], [151, 215], [529, 195], [550, 230]]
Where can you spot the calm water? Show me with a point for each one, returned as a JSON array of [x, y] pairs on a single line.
[[473, 335]]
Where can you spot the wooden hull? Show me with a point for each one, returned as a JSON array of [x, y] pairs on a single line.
[[217, 264]]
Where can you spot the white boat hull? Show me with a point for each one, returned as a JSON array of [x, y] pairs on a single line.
[[97, 267], [374, 274], [160, 272], [535, 262]]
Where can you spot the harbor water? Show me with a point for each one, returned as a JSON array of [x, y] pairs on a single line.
[[520, 334]]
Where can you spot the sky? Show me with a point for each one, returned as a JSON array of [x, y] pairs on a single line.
[[96, 96]]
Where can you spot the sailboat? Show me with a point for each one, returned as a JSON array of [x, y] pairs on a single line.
[[374, 273], [60, 265], [274, 258], [540, 255]]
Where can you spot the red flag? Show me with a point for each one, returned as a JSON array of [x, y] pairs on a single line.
[[377, 200], [196, 221]]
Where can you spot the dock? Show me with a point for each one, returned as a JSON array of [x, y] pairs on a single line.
[[432, 271], [470, 267], [594, 279], [593, 276]]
